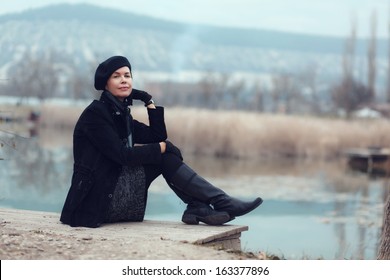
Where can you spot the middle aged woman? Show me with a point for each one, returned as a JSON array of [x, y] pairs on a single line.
[[116, 158]]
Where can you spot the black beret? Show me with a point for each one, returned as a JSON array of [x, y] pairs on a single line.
[[106, 68]]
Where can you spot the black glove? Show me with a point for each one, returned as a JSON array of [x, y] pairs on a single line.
[[140, 95], [170, 148]]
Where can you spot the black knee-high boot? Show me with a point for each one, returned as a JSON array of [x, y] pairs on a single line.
[[198, 211], [189, 182]]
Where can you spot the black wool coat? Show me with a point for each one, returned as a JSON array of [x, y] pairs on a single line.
[[100, 151]]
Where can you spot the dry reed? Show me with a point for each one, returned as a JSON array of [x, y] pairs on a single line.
[[241, 134], [59, 117]]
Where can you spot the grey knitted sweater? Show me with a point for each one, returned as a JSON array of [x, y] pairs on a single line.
[[129, 198]]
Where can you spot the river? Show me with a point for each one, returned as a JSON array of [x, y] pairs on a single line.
[[311, 210]]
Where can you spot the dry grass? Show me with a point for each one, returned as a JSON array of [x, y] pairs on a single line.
[[250, 135], [57, 116]]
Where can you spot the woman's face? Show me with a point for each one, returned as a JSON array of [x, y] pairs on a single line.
[[120, 83]]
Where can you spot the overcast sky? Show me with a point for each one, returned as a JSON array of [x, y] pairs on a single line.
[[323, 17]]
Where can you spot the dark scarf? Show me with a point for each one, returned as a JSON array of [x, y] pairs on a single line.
[[124, 109]]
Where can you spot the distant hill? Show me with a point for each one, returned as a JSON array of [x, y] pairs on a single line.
[[206, 34], [85, 34]]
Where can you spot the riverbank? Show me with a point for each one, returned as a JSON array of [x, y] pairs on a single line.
[[32, 235]]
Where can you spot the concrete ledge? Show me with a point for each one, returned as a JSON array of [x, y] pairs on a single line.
[[135, 237]]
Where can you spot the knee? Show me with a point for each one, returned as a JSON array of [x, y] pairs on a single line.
[[170, 164], [172, 149]]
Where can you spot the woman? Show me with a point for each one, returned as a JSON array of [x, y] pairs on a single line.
[[116, 158]]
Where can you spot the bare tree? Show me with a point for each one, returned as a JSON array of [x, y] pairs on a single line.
[[388, 62], [371, 58], [258, 97], [232, 92], [349, 53], [80, 83], [308, 80], [208, 88], [285, 92], [34, 76], [219, 90], [349, 94], [384, 247]]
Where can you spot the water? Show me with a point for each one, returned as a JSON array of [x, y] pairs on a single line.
[[311, 210]]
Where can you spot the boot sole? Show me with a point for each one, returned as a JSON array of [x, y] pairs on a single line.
[[214, 220]]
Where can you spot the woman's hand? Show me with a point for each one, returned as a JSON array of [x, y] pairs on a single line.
[[140, 95]]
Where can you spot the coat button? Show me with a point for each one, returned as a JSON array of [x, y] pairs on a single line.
[[110, 195], [117, 113]]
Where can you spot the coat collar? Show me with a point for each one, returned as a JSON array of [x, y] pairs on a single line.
[[117, 105]]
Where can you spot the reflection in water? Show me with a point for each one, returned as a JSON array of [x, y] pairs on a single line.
[[34, 176], [310, 210]]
